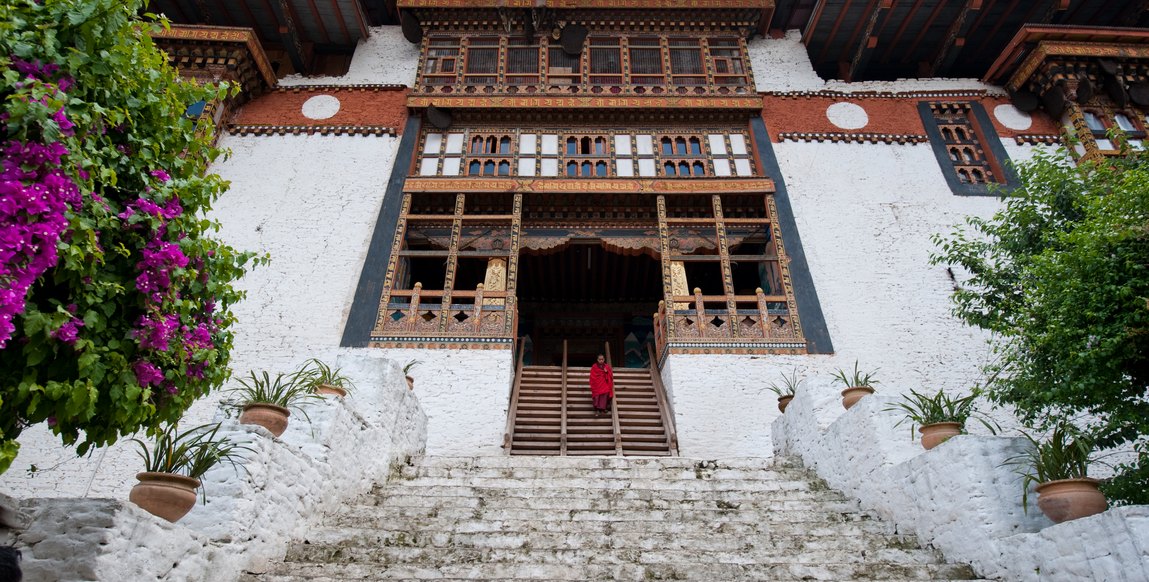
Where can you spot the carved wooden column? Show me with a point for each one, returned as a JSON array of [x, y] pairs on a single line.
[[393, 264], [724, 258], [452, 262]]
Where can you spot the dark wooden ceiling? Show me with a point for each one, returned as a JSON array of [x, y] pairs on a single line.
[[859, 40], [331, 26]]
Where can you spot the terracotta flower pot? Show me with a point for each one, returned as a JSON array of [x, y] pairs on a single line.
[[784, 401], [851, 395], [1068, 499], [269, 416], [330, 390], [165, 495], [938, 433]]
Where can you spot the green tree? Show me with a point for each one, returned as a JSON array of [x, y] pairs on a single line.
[[114, 300], [1061, 277]]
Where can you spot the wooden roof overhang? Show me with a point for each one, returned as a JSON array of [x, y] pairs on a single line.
[[214, 53], [599, 110], [745, 15], [1034, 46], [858, 40], [298, 26]]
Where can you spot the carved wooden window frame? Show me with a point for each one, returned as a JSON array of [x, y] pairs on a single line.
[[622, 153], [967, 148], [723, 65]]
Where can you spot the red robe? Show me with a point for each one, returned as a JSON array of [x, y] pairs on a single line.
[[601, 385]]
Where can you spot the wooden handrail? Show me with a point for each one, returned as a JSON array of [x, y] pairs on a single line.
[[439, 293], [563, 408], [614, 410], [513, 409], [717, 298], [663, 401]]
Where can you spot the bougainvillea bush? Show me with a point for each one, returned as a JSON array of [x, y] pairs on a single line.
[[114, 299]]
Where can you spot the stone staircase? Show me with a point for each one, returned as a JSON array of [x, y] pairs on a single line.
[[587, 518]]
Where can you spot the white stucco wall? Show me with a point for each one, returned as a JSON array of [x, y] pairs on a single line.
[[783, 65], [383, 58]]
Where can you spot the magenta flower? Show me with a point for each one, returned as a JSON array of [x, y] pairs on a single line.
[[68, 332], [161, 175], [147, 374]]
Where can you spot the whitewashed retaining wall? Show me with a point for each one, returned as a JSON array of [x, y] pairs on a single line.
[[959, 497], [338, 451]]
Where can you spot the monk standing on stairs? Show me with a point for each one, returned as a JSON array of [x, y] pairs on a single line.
[[601, 385]]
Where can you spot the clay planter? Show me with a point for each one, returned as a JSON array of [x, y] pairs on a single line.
[[269, 416], [410, 383], [329, 390], [938, 433], [165, 495], [783, 402], [851, 395], [1070, 499]]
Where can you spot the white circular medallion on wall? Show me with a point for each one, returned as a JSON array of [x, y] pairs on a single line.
[[1012, 117], [847, 115], [321, 107]]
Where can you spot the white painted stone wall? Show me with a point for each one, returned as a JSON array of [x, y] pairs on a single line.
[[960, 497], [384, 57], [783, 65], [336, 451], [865, 214]]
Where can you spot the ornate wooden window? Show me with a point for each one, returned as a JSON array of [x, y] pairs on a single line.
[[968, 157], [686, 67], [572, 154], [482, 66], [1099, 123], [441, 63], [646, 60], [611, 64]]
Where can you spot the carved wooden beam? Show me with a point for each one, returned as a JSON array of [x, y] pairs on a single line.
[[955, 38], [868, 41], [289, 36]]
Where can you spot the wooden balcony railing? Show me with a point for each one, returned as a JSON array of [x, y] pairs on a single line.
[[485, 316]]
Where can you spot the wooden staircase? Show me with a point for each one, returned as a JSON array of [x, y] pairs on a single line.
[[551, 414]]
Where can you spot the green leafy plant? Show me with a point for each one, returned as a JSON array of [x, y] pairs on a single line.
[[788, 386], [286, 390], [190, 453], [1059, 277], [1066, 454], [410, 366], [857, 378], [923, 409], [315, 373], [115, 299]]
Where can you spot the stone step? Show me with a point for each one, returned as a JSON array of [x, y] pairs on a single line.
[[781, 541], [384, 515], [624, 499], [569, 470], [610, 484], [706, 570], [458, 554], [737, 528], [656, 465]]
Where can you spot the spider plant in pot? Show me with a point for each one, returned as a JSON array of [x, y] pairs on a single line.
[[174, 461], [407, 372], [858, 384], [268, 401], [785, 389], [938, 416], [1059, 467], [324, 379]]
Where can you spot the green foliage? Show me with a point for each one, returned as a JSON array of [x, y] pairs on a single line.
[[857, 378], [316, 372], [788, 386], [410, 366], [922, 409], [190, 453], [1061, 276], [1066, 454], [130, 134], [286, 390]]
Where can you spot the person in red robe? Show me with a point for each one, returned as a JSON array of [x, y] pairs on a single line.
[[601, 385]]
